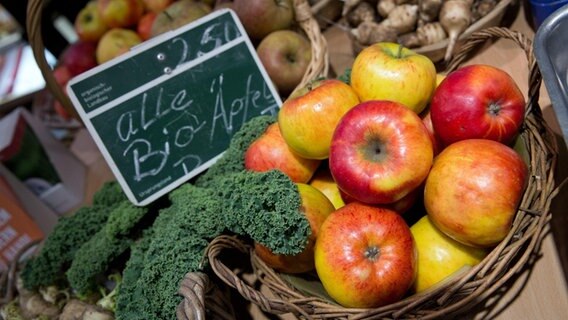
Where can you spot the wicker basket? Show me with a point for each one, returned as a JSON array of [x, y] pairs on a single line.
[[436, 51], [319, 65], [460, 292]]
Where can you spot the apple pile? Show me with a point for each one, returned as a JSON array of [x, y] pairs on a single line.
[[406, 177]]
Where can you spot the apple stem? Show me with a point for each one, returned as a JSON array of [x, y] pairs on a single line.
[[399, 52], [166, 13]]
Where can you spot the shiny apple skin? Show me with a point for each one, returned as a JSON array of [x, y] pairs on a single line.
[[473, 191], [402, 163], [388, 71], [307, 119], [344, 259], [477, 102], [317, 208], [439, 256]]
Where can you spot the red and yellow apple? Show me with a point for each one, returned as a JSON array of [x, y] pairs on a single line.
[[79, 57], [116, 42], [120, 13], [477, 101], [316, 207], [89, 24], [436, 142], [261, 17], [473, 191], [286, 55], [270, 152], [389, 71], [365, 256], [439, 256], [380, 152], [323, 181], [308, 117], [144, 27]]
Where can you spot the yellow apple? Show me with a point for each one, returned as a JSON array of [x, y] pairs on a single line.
[[116, 42], [323, 181], [439, 256], [120, 13], [389, 71]]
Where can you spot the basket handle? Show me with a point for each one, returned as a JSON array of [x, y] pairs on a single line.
[[481, 36], [33, 28], [268, 304], [319, 64]]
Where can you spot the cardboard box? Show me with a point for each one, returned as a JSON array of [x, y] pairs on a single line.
[[30, 156], [17, 228]]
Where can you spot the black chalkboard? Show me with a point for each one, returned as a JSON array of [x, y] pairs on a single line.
[[165, 111]]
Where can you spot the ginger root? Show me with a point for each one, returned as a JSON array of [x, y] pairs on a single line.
[[369, 32], [384, 7], [364, 11], [402, 18], [427, 34], [455, 16]]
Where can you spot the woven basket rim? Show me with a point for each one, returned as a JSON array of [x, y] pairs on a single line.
[[318, 67], [470, 287]]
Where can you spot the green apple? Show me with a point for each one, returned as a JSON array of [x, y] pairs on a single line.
[[389, 71], [286, 55]]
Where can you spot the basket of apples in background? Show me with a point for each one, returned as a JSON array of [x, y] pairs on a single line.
[[424, 192], [287, 37]]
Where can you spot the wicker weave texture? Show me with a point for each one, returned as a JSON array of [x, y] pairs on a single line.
[[470, 287]]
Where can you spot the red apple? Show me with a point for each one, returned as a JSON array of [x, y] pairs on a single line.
[[380, 152], [144, 27], [308, 118], [436, 143], [178, 14], [79, 57], [261, 17], [89, 24], [62, 75], [365, 256], [477, 101], [286, 55], [270, 152], [473, 191], [156, 5], [120, 13], [316, 207], [115, 42], [389, 71]]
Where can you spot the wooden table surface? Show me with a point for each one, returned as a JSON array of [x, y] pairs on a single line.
[[540, 291]]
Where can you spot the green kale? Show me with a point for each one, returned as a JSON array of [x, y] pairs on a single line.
[[93, 259], [70, 233]]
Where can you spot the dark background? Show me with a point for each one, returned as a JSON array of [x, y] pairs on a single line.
[[53, 41]]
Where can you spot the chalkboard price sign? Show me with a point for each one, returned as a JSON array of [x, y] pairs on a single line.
[[166, 111]]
